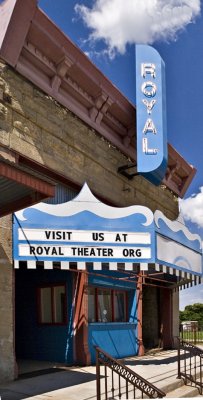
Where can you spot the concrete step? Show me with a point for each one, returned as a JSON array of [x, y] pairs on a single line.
[[180, 392], [184, 391], [176, 388], [161, 370]]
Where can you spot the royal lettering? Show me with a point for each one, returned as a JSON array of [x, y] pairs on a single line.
[[46, 250], [146, 149], [149, 127], [149, 105], [149, 90], [148, 68]]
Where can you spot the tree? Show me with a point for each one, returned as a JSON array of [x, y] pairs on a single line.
[[192, 312]]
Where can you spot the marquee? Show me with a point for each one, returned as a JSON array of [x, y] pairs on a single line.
[[85, 230]]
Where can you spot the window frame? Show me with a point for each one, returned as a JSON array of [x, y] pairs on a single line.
[[52, 286], [125, 292], [112, 293], [97, 303]]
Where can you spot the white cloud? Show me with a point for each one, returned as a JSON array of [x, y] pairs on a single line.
[[192, 208], [119, 22]]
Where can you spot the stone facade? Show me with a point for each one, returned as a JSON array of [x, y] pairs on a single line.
[[7, 352], [36, 126]]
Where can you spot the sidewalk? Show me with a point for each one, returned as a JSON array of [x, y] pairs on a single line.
[[70, 384], [77, 383]]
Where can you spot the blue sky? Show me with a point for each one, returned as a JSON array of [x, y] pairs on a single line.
[[106, 30]]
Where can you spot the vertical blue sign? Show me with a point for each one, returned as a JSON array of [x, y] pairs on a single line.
[[151, 114]]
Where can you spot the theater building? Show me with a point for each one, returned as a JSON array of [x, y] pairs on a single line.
[[91, 250]]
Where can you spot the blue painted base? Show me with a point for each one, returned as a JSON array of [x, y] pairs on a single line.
[[117, 339]]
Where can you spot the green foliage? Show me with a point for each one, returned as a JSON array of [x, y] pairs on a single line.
[[192, 312]]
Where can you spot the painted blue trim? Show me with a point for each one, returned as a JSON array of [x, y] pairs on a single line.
[[84, 244], [107, 281], [84, 220], [178, 237]]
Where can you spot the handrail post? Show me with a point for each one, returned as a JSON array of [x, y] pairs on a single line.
[[179, 374], [98, 375], [201, 386]]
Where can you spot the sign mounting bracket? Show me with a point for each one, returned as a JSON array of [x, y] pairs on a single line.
[[124, 170]]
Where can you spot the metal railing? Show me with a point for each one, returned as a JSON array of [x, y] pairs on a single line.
[[191, 332], [120, 382], [190, 364]]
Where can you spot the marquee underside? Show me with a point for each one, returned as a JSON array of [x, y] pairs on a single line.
[[154, 274], [21, 186]]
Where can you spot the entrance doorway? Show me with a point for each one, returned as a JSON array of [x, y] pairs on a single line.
[[151, 324], [157, 318]]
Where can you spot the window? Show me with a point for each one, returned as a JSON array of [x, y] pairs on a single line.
[[119, 306], [52, 304], [104, 305], [107, 305]]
